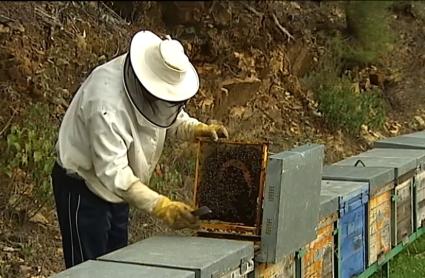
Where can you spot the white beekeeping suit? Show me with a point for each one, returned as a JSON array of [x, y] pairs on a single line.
[[114, 130]]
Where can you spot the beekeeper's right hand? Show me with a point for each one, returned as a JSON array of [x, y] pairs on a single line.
[[176, 215]]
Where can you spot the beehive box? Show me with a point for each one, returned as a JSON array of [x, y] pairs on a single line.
[[205, 257], [404, 171], [266, 199], [351, 236], [91, 269], [401, 142], [419, 179], [285, 268], [381, 184], [317, 258], [420, 199], [418, 134], [419, 155], [291, 202], [230, 181], [411, 145]]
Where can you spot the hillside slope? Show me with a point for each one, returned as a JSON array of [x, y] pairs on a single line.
[[252, 58]]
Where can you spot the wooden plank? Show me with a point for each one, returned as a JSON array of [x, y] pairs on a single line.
[[404, 223], [318, 260], [379, 223], [386, 188], [420, 199], [283, 269]]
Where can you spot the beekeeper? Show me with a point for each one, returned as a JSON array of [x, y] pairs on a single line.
[[110, 140]]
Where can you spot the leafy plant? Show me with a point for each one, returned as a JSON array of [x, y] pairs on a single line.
[[30, 148], [369, 27], [345, 109]]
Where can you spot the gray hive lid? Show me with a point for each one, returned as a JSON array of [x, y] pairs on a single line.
[[419, 134], [377, 177], [328, 204], [419, 155], [401, 165], [403, 142], [203, 256], [92, 269], [344, 190], [292, 201]]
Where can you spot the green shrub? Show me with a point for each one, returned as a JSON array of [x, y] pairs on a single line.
[[342, 107], [30, 148], [347, 110], [368, 24]]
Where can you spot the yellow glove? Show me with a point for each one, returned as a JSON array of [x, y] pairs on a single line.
[[176, 215], [214, 131]]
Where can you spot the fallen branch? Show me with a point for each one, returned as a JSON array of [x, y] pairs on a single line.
[[8, 123], [115, 14], [230, 69], [251, 9], [5, 19], [283, 29], [51, 21], [47, 18]]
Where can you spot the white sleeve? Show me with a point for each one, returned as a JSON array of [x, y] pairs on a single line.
[[109, 150], [183, 128]]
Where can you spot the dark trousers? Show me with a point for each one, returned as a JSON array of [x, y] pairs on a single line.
[[90, 227]]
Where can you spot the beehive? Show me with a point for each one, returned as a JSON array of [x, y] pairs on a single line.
[[351, 239], [253, 196], [412, 145], [285, 268], [230, 181], [205, 257], [404, 170], [318, 258], [411, 141], [420, 199], [115, 269], [418, 134], [381, 184]]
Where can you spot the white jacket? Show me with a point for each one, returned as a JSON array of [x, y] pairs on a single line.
[[105, 140]]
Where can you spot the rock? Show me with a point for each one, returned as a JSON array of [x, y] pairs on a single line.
[[181, 12], [420, 121], [38, 218], [9, 249], [301, 59], [25, 269], [235, 92], [237, 112], [4, 28], [394, 128], [377, 79]]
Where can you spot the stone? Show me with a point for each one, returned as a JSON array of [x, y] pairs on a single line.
[[420, 121]]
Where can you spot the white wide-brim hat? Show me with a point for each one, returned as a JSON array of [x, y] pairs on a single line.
[[162, 67]]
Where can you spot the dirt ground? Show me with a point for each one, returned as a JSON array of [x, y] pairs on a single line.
[[251, 58]]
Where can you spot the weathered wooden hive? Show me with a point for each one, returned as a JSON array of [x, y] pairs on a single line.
[[410, 145], [317, 257], [381, 185], [402, 198], [352, 224]]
